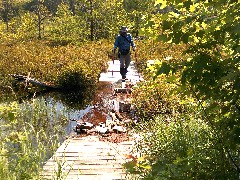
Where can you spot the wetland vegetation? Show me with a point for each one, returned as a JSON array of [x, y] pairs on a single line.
[[188, 105]]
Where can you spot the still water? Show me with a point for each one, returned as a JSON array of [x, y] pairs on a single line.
[[71, 106]]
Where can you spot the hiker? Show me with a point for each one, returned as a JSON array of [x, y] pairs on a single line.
[[123, 42]]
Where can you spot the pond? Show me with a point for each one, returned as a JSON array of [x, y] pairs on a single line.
[[55, 113], [92, 108], [74, 105]]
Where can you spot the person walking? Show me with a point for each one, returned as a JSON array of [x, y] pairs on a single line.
[[123, 42]]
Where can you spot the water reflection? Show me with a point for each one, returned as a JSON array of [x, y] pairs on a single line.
[[73, 99], [71, 105], [89, 105], [70, 114]]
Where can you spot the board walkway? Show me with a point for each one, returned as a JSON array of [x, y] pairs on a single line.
[[113, 73], [88, 157]]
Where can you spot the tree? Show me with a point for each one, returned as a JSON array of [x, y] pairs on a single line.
[[26, 26], [67, 28], [8, 9], [42, 13], [211, 73], [52, 5], [138, 12], [103, 17]]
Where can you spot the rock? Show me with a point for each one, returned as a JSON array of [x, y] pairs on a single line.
[[113, 115], [122, 90], [110, 123], [111, 131], [91, 131], [127, 121], [124, 107], [119, 116], [102, 129], [102, 124], [79, 129], [118, 129], [88, 125], [82, 127], [115, 105]]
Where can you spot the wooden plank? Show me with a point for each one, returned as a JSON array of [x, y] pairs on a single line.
[[96, 168], [88, 156], [113, 73], [89, 163], [110, 176]]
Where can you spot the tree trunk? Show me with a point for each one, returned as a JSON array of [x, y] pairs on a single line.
[[39, 25], [91, 21], [6, 13]]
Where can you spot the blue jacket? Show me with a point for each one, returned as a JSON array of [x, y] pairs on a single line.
[[122, 43]]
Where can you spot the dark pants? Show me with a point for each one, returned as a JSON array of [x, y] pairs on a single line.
[[124, 64]]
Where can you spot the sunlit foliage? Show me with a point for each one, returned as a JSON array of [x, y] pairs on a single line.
[[206, 82]]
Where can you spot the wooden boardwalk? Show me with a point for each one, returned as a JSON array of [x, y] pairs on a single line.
[[113, 74], [87, 157]]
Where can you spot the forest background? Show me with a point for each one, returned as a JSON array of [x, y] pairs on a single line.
[[188, 104]]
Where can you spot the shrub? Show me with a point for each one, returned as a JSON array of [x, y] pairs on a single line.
[[47, 64], [152, 98], [183, 148]]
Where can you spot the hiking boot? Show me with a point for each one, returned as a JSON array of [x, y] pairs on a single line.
[[123, 73]]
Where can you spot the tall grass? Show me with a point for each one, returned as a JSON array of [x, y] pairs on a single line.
[[30, 133]]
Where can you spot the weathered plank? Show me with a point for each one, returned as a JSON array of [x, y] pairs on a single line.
[[88, 158], [113, 73]]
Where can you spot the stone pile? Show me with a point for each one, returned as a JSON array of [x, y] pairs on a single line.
[[117, 121]]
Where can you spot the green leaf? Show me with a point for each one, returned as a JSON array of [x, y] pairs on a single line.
[[164, 17], [177, 37], [171, 79], [177, 26], [200, 33], [145, 166], [11, 116], [162, 37], [190, 151], [166, 25], [185, 38], [149, 24], [187, 4], [131, 167], [164, 69], [162, 2]]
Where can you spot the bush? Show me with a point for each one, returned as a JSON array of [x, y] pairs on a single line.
[[183, 136], [54, 64], [183, 148], [152, 98]]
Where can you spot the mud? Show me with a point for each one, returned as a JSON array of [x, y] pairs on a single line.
[[104, 110]]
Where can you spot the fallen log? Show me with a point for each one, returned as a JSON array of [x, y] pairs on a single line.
[[123, 90], [27, 79]]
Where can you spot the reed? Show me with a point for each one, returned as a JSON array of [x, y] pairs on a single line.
[[30, 133]]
